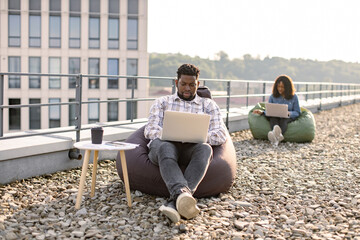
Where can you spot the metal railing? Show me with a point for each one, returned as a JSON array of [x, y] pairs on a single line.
[[249, 91]]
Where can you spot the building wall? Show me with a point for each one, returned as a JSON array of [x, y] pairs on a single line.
[[123, 54]]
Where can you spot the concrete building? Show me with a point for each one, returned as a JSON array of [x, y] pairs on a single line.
[[103, 37]]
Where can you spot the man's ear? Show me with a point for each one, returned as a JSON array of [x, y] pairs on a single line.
[[198, 82]]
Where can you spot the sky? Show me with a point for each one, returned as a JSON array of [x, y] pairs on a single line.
[[321, 30]]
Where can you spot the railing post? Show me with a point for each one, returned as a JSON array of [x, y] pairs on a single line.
[[307, 93], [78, 99], [320, 96], [228, 104], [264, 90], [173, 86], [247, 94], [332, 90], [341, 94], [1, 103], [132, 100]]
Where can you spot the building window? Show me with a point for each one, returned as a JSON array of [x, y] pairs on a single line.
[[34, 31], [14, 5], [14, 26], [131, 70], [74, 68], [94, 24], [14, 30], [55, 31], [55, 24], [114, 7], [93, 110], [132, 25], [54, 67], [55, 5], [34, 67], [54, 113], [75, 6], [113, 32], [94, 32], [94, 68], [72, 112], [35, 23], [14, 66], [14, 114], [113, 110], [132, 34], [131, 110], [133, 7], [113, 24], [113, 69], [74, 32], [35, 5], [35, 114]]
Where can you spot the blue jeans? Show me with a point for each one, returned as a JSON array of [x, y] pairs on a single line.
[[171, 156]]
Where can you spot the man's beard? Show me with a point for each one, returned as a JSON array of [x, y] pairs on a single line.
[[191, 97]]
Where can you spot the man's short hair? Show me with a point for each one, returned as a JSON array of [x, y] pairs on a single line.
[[188, 69]]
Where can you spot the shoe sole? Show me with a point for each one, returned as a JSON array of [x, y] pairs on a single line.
[[171, 213], [186, 206]]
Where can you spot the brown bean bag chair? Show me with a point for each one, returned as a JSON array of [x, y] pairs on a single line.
[[145, 176]]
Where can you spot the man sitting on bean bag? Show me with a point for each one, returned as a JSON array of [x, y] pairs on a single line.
[[169, 155]]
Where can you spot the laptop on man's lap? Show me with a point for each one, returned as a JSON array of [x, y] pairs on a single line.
[[185, 127]]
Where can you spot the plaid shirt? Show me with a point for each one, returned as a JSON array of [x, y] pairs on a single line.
[[217, 130]]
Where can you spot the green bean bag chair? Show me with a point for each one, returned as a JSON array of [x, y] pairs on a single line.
[[300, 130]]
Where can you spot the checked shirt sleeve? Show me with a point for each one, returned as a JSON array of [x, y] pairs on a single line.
[[153, 128], [217, 130]]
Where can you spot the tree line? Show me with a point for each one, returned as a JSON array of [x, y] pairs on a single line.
[[252, 68]]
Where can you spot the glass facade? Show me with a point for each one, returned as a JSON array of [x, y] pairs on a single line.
[[94, 32], [74, 68], [14, 66], [54, 113], [14, 114], [72, 112], [94, 68], [113, 111], [34, 114], [54, 67], [34, 67], [132, 25], [94, 24], [74, 32], [113, 30], [93, 111], [14, 30], [131, 110], [34, 31], [113, 69], [131, 70], [113, 24], [55, 31]]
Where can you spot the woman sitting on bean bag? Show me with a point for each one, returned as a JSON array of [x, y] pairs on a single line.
[[284, 93]]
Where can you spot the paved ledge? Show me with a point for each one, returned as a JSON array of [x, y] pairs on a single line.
[[26, 157]]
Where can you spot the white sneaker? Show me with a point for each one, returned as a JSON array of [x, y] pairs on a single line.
[[169, 210], [186, 205], [277, 131], [281, 137], [272, 138]]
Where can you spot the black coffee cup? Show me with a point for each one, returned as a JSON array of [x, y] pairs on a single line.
[[97, 135]]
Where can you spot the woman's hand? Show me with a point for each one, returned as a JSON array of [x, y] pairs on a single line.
[[258, 111]]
